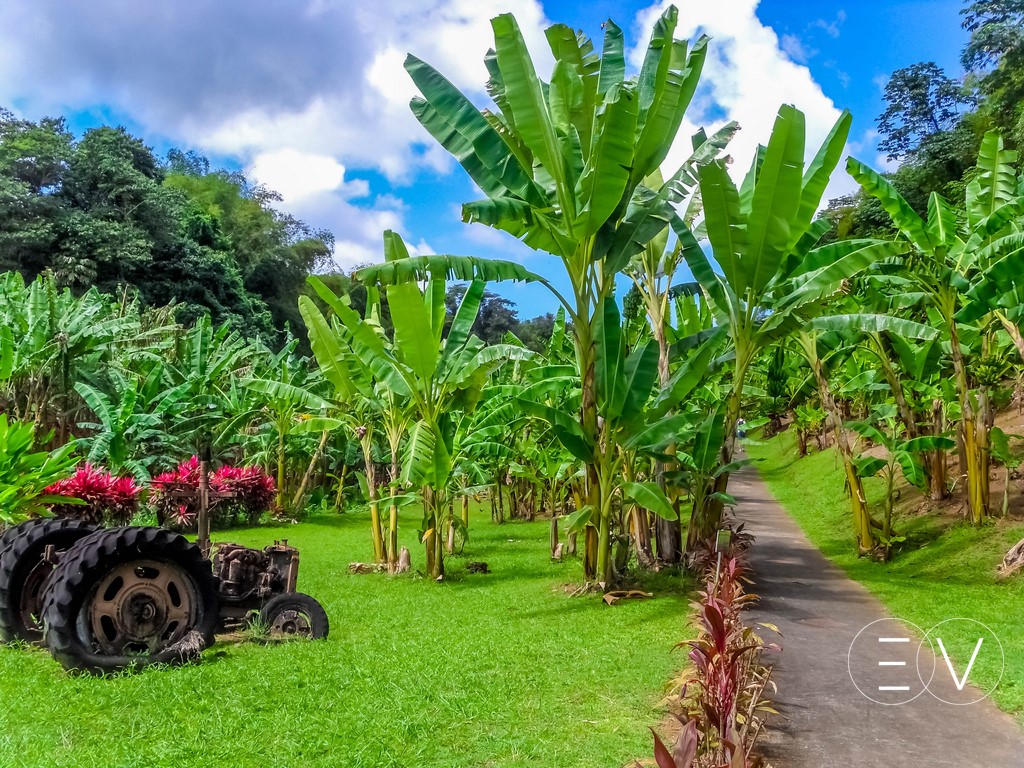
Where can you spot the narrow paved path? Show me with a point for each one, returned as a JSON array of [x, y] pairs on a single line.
[[826, 722]]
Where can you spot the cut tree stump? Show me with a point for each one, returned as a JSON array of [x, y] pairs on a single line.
[[1013, 561]]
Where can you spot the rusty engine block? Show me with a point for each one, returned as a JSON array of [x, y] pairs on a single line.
[[249, 577]]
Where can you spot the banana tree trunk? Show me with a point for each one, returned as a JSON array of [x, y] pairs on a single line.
[[280, 468], [667, 533], [433, 540], [862, 524], [393, 515], [375, 527], [301, 492], [974, 435], [937, 476]]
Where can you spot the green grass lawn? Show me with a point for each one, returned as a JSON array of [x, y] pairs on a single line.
[[486, 670], [946, 569]]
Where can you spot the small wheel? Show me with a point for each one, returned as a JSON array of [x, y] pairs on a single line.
[[129, 597], [295, 615], [24, 575]]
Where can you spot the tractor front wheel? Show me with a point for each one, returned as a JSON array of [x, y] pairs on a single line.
[[293, 616]]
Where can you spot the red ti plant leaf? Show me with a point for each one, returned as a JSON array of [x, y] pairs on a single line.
[[661, 754], [686, 745]]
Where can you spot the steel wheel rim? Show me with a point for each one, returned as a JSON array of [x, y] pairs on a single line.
[[141, 607], [291, 623]]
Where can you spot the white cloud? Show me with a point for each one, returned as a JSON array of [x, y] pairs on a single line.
[[795, 49], [746, 77], [831, 28], [297, 175], [300, 94]]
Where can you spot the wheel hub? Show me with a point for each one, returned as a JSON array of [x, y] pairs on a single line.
[[142, 607], [291, 623]]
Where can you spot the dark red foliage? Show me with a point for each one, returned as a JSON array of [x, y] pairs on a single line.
[[252, 493], [106, 498]]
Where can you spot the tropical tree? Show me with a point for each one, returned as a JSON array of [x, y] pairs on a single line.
[[966, 273], [439, 374], [570, 167], [763, 236]]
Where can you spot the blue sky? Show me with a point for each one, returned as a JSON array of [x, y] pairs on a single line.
[[309, 97]]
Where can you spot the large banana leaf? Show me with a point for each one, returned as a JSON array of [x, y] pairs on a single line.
[[650, 497], [609, 354], [607, 171], [414, 338], [819, 172], [577, 51], [525, 96], [707, 442], [996, 182], [688, 376], [641, 371], [776, 200], [460, 128], [942, 225], [285, 394], [725, 223], [327, 349], [869, 323], [613, 59], [427, 460], [564, 426], [462, 324], [903, 216], [436, 266]]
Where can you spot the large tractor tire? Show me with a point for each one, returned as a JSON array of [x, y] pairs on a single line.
[[24, 575], [125, 598]]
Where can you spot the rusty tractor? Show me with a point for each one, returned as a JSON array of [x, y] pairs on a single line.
[[109, 599]]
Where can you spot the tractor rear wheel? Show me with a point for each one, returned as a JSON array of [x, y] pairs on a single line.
[[125, 598], [24, 575], [294, 615]]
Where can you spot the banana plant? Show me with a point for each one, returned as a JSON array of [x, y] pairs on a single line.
[[202, 367], [630, 420], [367, 400], [289, 401], [570, 168], [128, 434], [51, 340], [438, 373], [965, 271], [902, 453], [763, 234], [1009, 458]]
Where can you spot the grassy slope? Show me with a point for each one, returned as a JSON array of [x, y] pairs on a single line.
[[495, 670], [945, 570]]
